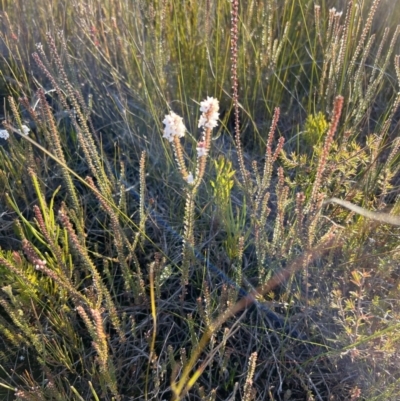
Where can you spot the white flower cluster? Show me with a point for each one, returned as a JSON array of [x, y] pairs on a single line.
[[39, 264], [4, 134], [189, 178], [209, 109], [173, 126], [25, 130]]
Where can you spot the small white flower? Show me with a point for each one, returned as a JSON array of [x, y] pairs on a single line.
[[25, 130], [4, 134], [209, 108], [210, 104], [213, 122], [201, 149], [189, 179], [202, 121], [40, 264], [173, 126]]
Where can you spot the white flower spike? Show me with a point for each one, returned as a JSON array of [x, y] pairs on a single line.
[[173, 126], [209, 109]]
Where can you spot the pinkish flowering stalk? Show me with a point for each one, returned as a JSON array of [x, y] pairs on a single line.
[[208, 120], [337, 112], [173, 131]]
